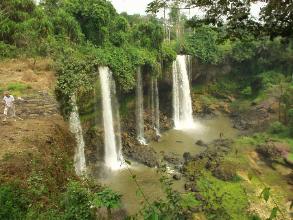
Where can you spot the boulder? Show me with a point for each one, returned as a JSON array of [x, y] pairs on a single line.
[[187, 157], [173, 158], [225, 171], [273, 150], [177, 176], [201, 143]]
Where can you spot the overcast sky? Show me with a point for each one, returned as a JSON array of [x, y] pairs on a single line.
[[139, 7]]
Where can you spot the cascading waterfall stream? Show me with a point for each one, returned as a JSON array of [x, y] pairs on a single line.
[[139, 108], [76, 129], [113, 156], [182, 105], [155, 105]]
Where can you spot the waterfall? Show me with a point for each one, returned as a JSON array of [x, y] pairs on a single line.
[[112, 137], [76, 129], [155, 105], [182, 106], [139, 109]]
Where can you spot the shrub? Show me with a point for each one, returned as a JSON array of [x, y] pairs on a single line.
[[247, 91], [107, 198], [277, 128], [6, 50], [290, 116], [13, 203], [270, 78], [76, 202]]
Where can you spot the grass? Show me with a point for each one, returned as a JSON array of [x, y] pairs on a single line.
[[229, 196], [188, 200], [16, 88]]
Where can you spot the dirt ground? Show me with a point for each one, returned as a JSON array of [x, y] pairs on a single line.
[[39, 134], [39, 76]]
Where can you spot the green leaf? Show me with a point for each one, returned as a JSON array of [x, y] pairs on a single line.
[[265, 194], [155, 216], [291, 205], [138, 193], [127, 161], [274, 213]]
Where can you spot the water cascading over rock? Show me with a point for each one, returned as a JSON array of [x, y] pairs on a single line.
[[112, 135], [76, 129], [139, 108], [182, 105], [155, 105]]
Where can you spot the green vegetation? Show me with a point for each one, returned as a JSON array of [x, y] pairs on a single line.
[[81, 35]]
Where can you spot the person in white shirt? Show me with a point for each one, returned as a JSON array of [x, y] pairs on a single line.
[[8, 102]]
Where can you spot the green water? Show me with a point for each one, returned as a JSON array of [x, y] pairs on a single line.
[[171, 141]]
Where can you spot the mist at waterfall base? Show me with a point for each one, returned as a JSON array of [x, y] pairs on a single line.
[[112, 134], [76, 129], [182, 104]]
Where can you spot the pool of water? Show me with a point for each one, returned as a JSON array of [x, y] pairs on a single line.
[[175, 141]]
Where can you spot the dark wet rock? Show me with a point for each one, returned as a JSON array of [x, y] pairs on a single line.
[[117, 214], [192, 178], [177, 176], [143, 154], [195, 209], [199, 197], [240, 124], [290, 178], [273, 150], [191, 186], [179, 168], [194, 188], [201, 143], [173, 158], [187, 157], [225, 171]]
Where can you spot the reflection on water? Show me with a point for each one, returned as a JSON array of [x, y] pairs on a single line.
[[172, 141]]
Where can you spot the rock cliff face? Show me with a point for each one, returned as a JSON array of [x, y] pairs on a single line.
[[91, 113]]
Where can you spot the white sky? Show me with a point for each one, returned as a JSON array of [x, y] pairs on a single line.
[[139, 7]]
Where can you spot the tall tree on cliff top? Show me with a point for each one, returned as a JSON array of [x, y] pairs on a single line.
[[276, 16]]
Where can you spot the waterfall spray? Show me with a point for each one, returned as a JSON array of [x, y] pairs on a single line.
[[139, 109], [76, 129], [182, 105], [113, 156]]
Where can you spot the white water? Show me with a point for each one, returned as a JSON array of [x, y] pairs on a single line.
[[113, 156], [76, 129], [139, 109], [182, 105], [155, 106]]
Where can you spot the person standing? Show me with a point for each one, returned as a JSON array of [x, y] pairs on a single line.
[[8, 101]]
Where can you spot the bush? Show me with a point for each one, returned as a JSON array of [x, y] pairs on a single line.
[[13, 203], [290, 116], [247, 91], [270, 78], [6, 50], [277, 128], [77, 202], [107, 198]]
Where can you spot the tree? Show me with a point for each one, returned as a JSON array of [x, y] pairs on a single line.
[[94, 17], [18, 15], [276, 17]]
